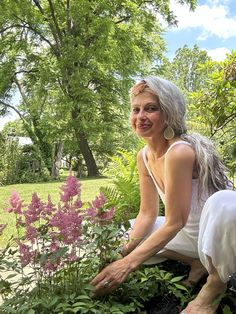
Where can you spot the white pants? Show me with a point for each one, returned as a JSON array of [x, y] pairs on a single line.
[[217, 236]]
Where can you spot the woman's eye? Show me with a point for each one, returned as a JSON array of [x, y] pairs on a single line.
[[151, 108], [135, 110]]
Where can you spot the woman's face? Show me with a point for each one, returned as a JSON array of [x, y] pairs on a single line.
[[146, 117]]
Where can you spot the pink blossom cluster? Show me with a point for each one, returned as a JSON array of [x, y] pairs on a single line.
[[97, 211], [68, 224], [70, 189], [48, 228], [16, 203]]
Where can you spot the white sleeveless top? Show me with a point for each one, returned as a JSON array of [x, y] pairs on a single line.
[[192, 225]]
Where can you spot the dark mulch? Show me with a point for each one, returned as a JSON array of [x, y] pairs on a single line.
[[170, 305]]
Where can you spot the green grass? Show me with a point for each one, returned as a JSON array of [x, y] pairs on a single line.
[[89, 189]]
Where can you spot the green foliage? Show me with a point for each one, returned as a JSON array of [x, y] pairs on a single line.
[[216, 102], [30, 167], [209, 88], [20, 164], [9, 155], [124, 195], [72, 82]]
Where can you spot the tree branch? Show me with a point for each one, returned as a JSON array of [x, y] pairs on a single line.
[[123, 19], [36, 2], [58, 31], [57, 51], [24, 25], [227, 120], [13, 108]]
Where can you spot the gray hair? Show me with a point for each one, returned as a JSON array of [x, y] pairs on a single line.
[[211, 171], [171, 102]]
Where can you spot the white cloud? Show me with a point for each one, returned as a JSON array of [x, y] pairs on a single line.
[[213, 19], [218, 54]]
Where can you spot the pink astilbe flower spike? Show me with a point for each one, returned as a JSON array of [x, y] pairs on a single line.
[[107, 215], [91, 212], [54, 246], [50, 267], [49, 207], [70, 189], [31, 233], [99, 201], [32, 214], [16, 203], [69, 225], [78, 203], [26, 254]]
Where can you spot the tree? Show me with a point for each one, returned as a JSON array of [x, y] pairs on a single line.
[[76, 58], [187, 69], [216, 102]]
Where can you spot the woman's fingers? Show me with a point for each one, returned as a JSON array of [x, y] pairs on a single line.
[[101, 276], [111, 277]]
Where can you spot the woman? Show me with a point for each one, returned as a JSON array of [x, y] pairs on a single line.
[[186, 173]]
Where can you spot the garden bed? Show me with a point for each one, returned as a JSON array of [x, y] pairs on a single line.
[[170, 304]]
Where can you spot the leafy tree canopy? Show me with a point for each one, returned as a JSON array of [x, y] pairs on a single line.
[[72, 62]]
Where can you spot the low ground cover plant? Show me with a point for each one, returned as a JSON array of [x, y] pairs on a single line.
[[59, 248]]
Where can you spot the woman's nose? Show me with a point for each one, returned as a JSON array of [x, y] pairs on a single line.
[[142, 114]]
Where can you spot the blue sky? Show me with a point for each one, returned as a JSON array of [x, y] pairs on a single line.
[[212, 26]]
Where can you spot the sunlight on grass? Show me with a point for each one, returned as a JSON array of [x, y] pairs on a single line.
[[89, 188]]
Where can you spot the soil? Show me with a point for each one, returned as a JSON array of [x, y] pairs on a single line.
[[170, 304]]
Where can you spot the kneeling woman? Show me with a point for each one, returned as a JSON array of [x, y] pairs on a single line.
[[200, 213]]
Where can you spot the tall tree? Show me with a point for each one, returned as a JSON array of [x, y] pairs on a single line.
[[77, 56], [187, 68]]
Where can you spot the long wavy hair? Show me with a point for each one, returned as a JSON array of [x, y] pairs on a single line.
[[211, 171]]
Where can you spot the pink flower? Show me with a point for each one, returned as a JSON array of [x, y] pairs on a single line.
[[70, 189], [99, 201], [2, 227], [25, 254], [50, 266], [32, 214], [91, 212], [54, 246], [31, 233], [78, 203], [69, 225], [49, 208], [16, 203], [107, 215]]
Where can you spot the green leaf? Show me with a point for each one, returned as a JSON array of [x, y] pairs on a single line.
[[175, 279], [180, 287]]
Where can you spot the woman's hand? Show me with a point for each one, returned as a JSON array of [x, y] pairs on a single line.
[[111, 277]]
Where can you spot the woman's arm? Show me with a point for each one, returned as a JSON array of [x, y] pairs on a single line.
[[149, 208]]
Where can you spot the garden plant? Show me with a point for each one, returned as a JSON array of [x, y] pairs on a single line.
[[59, 248]]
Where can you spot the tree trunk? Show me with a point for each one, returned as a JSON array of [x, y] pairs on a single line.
[[44, 147], [58, 150], [87, 154]]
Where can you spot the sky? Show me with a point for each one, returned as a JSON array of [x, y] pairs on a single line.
[[212, 26]]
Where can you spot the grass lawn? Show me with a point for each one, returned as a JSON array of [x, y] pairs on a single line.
[[89, 189]]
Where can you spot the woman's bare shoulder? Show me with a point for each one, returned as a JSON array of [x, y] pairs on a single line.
[[181, 153]]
